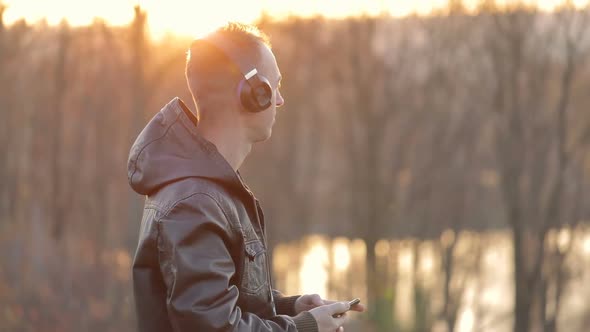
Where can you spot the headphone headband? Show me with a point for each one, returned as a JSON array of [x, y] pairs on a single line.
[[233, 53]]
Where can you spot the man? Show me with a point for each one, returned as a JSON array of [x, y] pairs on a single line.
[[201, 262]]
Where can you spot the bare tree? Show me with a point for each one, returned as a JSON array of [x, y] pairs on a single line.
[[58, 99], [530, 138], [5, 192], [369, 101], [573, 27], [295, 150]]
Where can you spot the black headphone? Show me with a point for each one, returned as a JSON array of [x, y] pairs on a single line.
[[254, 89]]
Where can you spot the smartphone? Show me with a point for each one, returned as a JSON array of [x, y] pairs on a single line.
[[354, 302], [351, 303]]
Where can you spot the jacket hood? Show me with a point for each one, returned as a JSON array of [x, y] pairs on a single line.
[[170, 149]]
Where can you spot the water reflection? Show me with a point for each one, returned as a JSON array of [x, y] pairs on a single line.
[[481, 278]]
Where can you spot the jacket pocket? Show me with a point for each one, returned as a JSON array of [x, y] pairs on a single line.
[[254, 267]]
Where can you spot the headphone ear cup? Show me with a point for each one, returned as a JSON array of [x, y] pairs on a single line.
[[245, 93], [256, 94]]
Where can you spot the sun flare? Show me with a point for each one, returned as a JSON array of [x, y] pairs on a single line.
[[195, 18]]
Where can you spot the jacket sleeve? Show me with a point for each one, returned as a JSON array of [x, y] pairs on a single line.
[[197, 266], [285, 305]]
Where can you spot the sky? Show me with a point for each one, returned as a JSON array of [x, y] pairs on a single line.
[[197, 17]]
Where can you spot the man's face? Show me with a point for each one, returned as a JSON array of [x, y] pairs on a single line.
[[259, 124]]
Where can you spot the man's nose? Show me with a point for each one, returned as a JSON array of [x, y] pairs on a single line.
[[280, 100]]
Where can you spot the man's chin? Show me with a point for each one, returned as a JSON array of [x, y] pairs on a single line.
[[263, 138]]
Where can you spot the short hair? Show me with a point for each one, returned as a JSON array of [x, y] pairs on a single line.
[[210, 73]]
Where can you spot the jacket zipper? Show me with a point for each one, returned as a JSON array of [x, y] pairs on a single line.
[[262, 232]]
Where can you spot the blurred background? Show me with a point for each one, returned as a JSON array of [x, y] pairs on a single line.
[[432, 157]]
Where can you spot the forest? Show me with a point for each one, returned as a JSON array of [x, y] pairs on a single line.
[[456, 131]]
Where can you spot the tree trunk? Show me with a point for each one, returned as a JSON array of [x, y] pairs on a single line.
[[139, 93], [56, 203], [522, 292]]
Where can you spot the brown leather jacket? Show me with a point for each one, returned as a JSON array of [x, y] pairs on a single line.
[[201, 262]]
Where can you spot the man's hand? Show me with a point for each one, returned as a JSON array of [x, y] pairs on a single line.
[[310, 301], [325, 316]]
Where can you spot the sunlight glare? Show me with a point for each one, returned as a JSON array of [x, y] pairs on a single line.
[[198, 18], [313, 273], [341, 254], [194, 18], [382, 248], [426, 265], [406, 260], [116, 12], [466, 320], [563, 239], [586, 245]]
